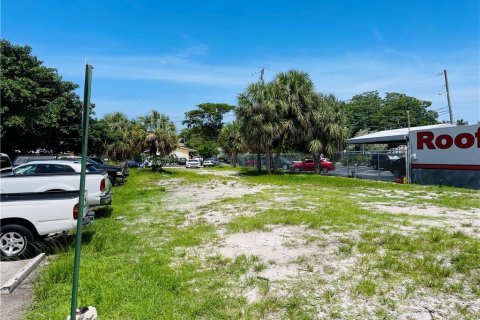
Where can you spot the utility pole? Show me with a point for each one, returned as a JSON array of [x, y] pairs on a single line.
[[262, 71], [408, 120], [448, 96], [259, 156], [408, 158]]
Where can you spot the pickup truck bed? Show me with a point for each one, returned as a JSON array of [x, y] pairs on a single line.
[[96, 183], [27, 217]]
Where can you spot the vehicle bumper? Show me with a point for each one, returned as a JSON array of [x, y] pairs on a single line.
[[88, 219], [120, 179], [106, 199]]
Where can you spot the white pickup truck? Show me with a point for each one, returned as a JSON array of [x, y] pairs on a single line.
[[28, 217], [55, 175]]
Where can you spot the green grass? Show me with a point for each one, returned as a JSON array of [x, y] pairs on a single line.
[[127, 270], [142, 267], [430, 258]]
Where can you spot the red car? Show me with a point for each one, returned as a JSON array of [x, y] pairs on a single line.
[[307, 165]]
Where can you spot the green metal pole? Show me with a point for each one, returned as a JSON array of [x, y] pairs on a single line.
[[81, 205]]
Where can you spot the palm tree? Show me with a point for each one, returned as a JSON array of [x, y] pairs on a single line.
[[328, 131], [294, 95], [230, 139], [122, 137], [161, 137], [155, 120], [257, 118]]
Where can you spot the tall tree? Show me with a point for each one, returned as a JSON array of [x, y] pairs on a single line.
[[230, 139], [327, 132], [161, 137], [258, 119], [154, 121], [362, 112], [294, 96], [116, 137], [203, 127], [369, 111], [38, 109], [395, 107]]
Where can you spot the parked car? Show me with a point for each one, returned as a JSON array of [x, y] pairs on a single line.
[[28, 217], [52, 167], [97, 159], [118, 175], [250, 163], [182, 161], [5, 164], [192, 163], [57, 175], [382, 161], [398, 168], [132, 163], [208, 163], [284, 163], [29, 158], [308, 165], [199, 159]]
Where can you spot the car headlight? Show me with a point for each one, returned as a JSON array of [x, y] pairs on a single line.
[[119, 173]]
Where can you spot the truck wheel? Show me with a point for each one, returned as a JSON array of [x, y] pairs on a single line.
[[324, 170], [15, 241]]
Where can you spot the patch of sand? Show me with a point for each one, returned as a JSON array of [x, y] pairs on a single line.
[[466, 221]]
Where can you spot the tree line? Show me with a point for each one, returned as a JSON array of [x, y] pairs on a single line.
[[40, 110]]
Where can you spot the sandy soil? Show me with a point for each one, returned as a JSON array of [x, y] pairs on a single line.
[[317, 267]]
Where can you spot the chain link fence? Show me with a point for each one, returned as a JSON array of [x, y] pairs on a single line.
[[372, 164]]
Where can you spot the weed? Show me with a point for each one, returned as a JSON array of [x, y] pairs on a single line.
[[365, 287]]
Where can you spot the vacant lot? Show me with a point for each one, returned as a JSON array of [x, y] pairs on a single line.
[[231, 244]]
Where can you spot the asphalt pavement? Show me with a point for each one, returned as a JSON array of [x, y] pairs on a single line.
[[14, 305]]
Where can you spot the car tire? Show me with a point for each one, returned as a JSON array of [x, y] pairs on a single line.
[[374, 167], [285, 167], [324, 170], [15, 241]]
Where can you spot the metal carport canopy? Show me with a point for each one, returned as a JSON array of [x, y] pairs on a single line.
[[392, 136]]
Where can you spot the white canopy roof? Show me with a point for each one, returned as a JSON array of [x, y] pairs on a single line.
[[392, 136]]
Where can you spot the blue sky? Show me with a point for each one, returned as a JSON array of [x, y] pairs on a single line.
[[173, 55]]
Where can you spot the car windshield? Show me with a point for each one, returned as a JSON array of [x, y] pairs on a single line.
[[393, 157], [93, 162], [91, 168]]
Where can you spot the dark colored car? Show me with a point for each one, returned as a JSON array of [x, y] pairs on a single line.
[[5, 164], [382, 161], [284, 163], [132, 163], [97, 159], [118, 175], [398, 168], [182, 161]]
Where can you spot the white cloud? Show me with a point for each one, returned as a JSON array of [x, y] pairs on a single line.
[[384, 70]]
